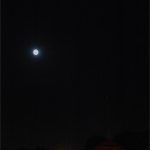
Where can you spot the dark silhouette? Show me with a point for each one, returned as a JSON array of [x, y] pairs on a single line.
[[36, 148], [41, 148], [133, 140], [124, 141], [93, 142], [23, 148]]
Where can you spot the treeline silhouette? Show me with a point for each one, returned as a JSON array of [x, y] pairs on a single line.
[[126, 141], [22, 148]]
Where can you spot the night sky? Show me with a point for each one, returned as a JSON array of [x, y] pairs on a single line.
[[90, 74]]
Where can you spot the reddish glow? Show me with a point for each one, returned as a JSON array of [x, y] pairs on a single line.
[[109, 145], [109, 148]]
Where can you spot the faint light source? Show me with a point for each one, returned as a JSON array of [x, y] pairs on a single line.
[[35, 52]]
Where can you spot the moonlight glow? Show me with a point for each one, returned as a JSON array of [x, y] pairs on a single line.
[[35, 52]]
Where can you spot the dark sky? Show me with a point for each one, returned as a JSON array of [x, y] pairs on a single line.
[[87, 52]]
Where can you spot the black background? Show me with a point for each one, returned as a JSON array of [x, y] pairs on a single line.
[[87, 51]]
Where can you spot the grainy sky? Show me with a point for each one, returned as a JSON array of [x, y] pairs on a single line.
[[87, 52]]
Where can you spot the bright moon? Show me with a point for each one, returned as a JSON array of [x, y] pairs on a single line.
[[35, 52]]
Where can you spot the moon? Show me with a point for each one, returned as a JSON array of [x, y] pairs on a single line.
[[35, 52]]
